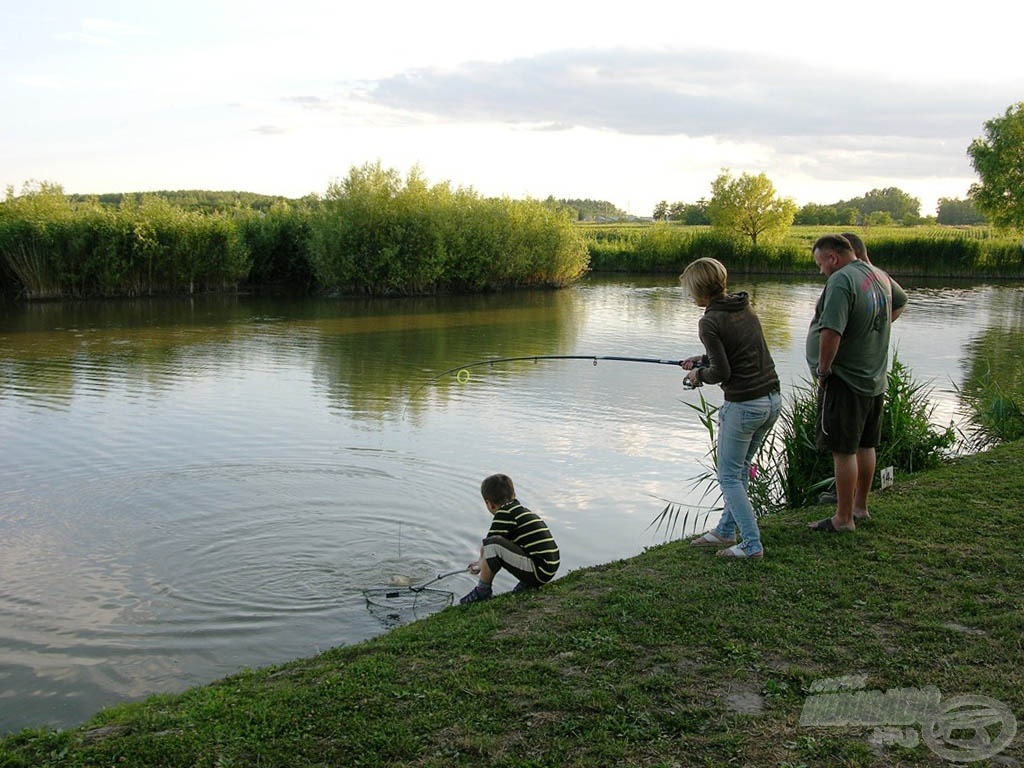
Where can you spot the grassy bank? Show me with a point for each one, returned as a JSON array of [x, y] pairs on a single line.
[[670, 658]]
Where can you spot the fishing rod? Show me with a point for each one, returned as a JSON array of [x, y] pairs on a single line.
[[462, 374], [458, 369]]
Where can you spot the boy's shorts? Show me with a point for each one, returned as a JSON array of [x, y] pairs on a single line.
[[848, 420], [500, 553]]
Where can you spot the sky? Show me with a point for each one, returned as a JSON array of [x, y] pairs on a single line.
[[629, 104]]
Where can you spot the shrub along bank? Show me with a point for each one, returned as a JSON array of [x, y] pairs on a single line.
[[372, 233], [377, 233]]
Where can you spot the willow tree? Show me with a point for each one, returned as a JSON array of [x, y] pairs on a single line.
[[748, 207], [999, 160]]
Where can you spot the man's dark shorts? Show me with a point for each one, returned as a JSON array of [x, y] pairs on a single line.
[[847, 420]]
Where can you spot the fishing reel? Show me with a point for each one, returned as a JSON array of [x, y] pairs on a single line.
[[686, 382]]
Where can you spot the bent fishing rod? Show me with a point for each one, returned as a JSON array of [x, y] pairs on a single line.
[[538, 358], [462, 371]]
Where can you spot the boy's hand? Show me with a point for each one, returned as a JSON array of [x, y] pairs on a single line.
[[473, 567], [691, 362]]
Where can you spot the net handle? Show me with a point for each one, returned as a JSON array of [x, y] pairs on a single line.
[[424, 585]]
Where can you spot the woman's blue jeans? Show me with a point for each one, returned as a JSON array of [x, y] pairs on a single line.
[[742, 428]]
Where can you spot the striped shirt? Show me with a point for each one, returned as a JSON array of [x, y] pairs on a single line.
[[525, 528]]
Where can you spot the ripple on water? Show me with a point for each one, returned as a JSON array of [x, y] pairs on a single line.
[[118, 586]]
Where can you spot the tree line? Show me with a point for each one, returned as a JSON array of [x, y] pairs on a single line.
[[748, 207], [375, 232], [878, 207], [997, 198]]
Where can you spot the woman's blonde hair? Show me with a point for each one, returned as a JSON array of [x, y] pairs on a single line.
[[704, 278]]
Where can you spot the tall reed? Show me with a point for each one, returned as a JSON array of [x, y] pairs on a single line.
[[927, 251], [790, 471], [993, 415], [57, 248]]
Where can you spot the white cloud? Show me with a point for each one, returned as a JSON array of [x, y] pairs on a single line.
[[531, 99], [99, 32]]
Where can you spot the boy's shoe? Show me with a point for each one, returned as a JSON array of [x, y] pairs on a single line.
[[522, 586], [476, 595]]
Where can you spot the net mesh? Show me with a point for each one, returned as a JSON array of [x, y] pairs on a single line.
[[399, 605]]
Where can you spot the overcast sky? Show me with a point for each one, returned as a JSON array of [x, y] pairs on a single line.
[[631, 103]]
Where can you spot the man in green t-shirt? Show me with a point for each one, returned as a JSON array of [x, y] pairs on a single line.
[[848, 351], [518, 541]]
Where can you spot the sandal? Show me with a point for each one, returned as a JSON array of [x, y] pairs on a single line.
[[736, 551], [710, 539], [827, 526]]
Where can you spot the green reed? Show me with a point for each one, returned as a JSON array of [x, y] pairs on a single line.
[[55, 248], [377, 233], [765, 489], [374, 233], [790, 471], [926, 250], [993, 416]]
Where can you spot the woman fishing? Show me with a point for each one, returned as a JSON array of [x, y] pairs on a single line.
[[736, 357]]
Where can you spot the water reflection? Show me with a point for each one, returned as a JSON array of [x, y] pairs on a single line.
[[192, 486], [365, 351]]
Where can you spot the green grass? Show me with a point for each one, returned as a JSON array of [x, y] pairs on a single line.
[[673, 657]]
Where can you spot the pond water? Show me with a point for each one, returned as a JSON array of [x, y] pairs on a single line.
[[193, 486]]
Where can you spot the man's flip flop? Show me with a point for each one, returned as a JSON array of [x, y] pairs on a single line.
[[826, 525]]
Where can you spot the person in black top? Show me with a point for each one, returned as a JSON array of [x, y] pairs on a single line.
[[736, 357], [518, 541]]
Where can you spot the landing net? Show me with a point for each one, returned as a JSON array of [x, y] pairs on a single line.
[[400, 605]]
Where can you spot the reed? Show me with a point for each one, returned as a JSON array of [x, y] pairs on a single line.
[[790, 471], [924, 251], [373, 233], [56, 248], [994, 414], [911, 441]]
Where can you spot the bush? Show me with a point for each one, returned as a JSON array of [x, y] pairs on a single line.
[[789, 470], [55, 248], [909, 442], [278, 242], [375, 234]]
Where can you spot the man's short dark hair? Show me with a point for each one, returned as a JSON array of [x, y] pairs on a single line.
[[835, 243], [859, 249]]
